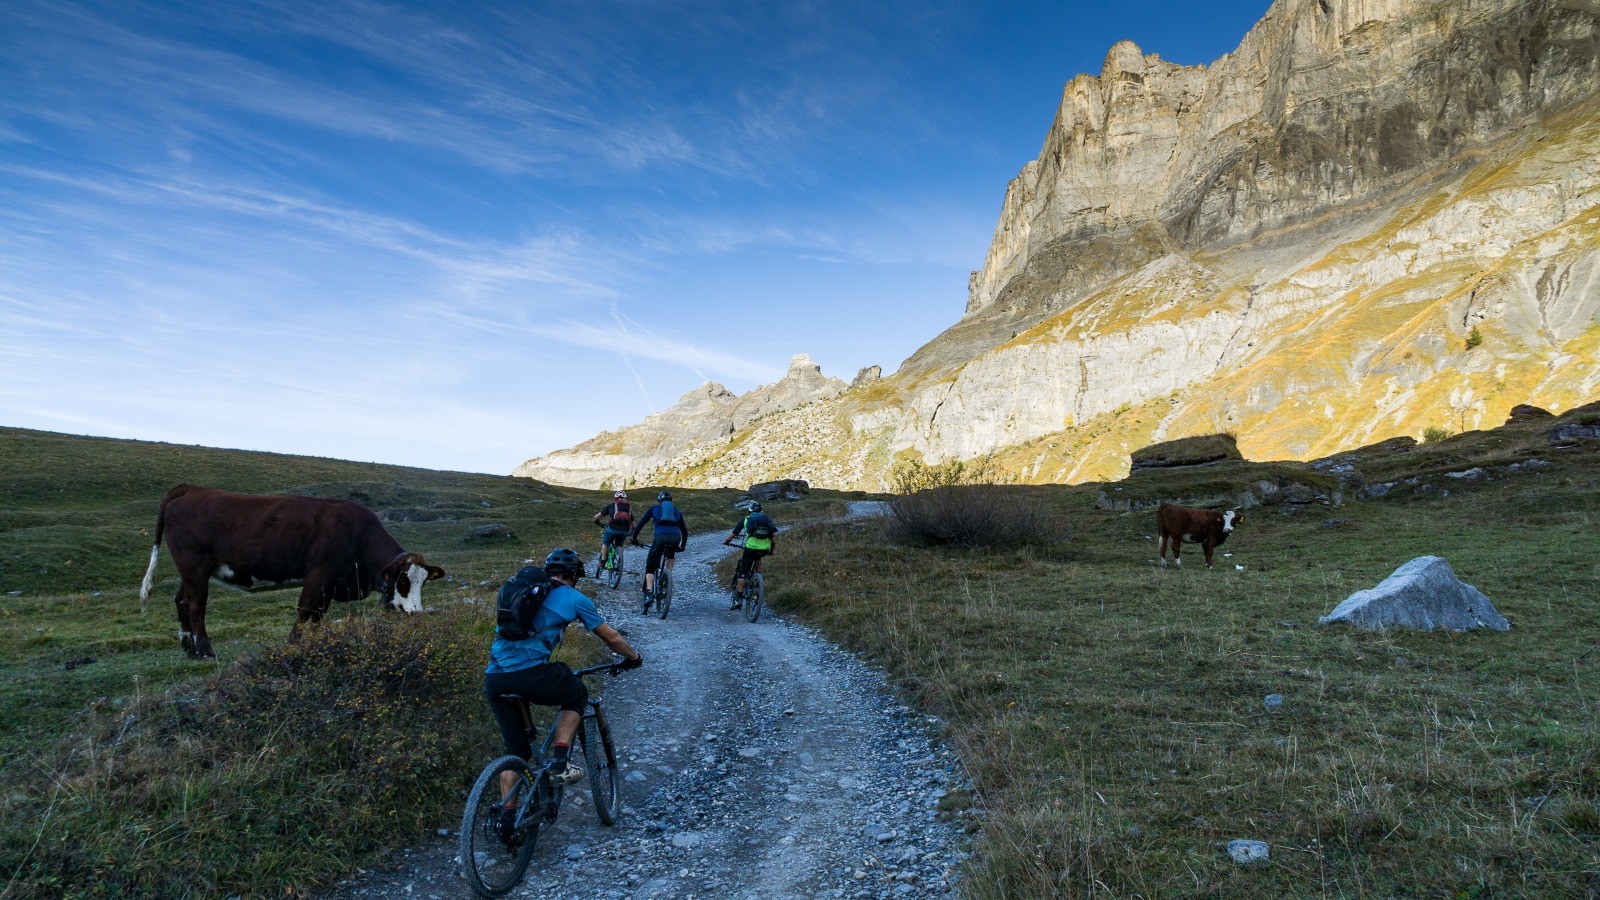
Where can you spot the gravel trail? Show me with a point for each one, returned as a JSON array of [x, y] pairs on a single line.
[[760, 761]]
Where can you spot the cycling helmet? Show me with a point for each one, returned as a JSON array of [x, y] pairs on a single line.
[[620, 495], [754, 506], [564, 560], [664, 495]]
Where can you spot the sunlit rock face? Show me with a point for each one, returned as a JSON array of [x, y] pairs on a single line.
[[1373, 217]]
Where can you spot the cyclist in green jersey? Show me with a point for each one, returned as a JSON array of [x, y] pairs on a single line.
[[758, 535]]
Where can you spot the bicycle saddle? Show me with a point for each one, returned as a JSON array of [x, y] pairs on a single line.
[[514, 698]]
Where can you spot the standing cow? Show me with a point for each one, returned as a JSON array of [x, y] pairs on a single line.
[[1205, 527], [336, 549]]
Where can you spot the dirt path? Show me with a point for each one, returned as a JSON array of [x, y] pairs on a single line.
[[762, 761]]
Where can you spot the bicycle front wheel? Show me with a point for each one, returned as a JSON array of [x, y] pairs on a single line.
[[496, 844], [605, 782], [754, 592], [616, 573], [663, 591]]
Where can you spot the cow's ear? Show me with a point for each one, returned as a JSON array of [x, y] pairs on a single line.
[[435, 573]]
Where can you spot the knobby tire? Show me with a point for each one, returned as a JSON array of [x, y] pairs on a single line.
[[502, 867], [663, 591], [605, 782], [616, 574], [754, 594]]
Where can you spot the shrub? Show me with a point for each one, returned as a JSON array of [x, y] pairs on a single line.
[[1433, 434], [1474, 337], [972, 515], [279, 773], [915, 475]]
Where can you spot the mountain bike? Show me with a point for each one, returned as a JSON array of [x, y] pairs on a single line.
[[661, 594], [499, 830], [608, 567], [755, 591]]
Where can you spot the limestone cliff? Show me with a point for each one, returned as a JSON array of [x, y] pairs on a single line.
[[1373, 217]]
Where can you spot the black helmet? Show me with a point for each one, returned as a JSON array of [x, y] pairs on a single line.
[[564, 560], [755, 506], [664, 495]]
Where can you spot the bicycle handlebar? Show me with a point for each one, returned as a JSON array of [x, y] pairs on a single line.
[[613, 668]]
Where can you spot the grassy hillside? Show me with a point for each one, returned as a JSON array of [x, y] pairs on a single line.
[[1112, 713], [282, 764]]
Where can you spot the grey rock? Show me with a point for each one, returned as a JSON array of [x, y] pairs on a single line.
[[1272, 702], [772, 490], [635, 777], [1248, 852], [686, 839], [494, 531], [1572, 433], [1423, 594]]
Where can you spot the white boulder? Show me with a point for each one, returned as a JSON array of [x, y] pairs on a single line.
[[1423, 594]]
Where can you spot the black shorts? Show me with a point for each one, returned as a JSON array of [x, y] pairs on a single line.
[[547, 684], [663, 545], [749, 558]]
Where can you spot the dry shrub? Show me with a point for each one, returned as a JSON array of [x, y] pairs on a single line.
[[973, 515], [277, 773]]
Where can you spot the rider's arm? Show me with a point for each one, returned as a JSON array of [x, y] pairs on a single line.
[[639, 525], [598, 515], [615, 642]]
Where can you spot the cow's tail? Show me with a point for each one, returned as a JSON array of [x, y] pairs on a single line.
[[155, 553]]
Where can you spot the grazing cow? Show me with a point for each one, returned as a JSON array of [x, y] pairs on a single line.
[[336, 549], [1205, 527]]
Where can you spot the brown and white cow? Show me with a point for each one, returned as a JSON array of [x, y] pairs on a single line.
[[336, 549], [1205, 527]]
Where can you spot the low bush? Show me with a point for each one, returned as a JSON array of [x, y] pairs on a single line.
[[276, 774], [1434, 434], [1474, 338], [915, 475], [974, 515]]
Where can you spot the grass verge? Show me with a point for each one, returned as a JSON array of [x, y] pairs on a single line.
[[1111, 713]]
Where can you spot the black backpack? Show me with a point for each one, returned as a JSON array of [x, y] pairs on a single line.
[[759, 526], [521, 598]]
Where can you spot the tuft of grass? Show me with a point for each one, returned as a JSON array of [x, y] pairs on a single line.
[[1474, 338]]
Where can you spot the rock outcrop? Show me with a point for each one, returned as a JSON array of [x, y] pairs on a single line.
[[709, 415], [1423, 594], [1291, 244]]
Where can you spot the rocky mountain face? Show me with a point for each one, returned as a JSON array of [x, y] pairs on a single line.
[[706, 417], [1372, 218]]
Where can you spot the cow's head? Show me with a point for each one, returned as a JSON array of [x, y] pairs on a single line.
[[1229, 519], [403, 578]]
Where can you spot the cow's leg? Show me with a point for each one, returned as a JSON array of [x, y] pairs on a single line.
[[185, 631], [1163, 548], [313, 603], [1208, 545], [197, 592]]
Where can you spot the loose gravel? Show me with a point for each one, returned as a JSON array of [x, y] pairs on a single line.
[[760, 760]]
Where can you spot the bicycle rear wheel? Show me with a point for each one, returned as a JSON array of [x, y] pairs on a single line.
[[605, 782], [663, 591], [493, 855], [755, 591], [616, 560]]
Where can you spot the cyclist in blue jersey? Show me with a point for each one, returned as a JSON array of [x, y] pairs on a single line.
[[671, 535], [524, 667]]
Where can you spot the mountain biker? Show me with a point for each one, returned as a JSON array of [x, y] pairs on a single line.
[[671, 534], [619, 518], [524, 668], [760, 535]]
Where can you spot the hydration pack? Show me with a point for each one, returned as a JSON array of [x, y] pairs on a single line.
[[521, 598], [621, 514], [759, 526], [670, 515]]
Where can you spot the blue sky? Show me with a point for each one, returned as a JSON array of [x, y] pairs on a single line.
[[458, 235]]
